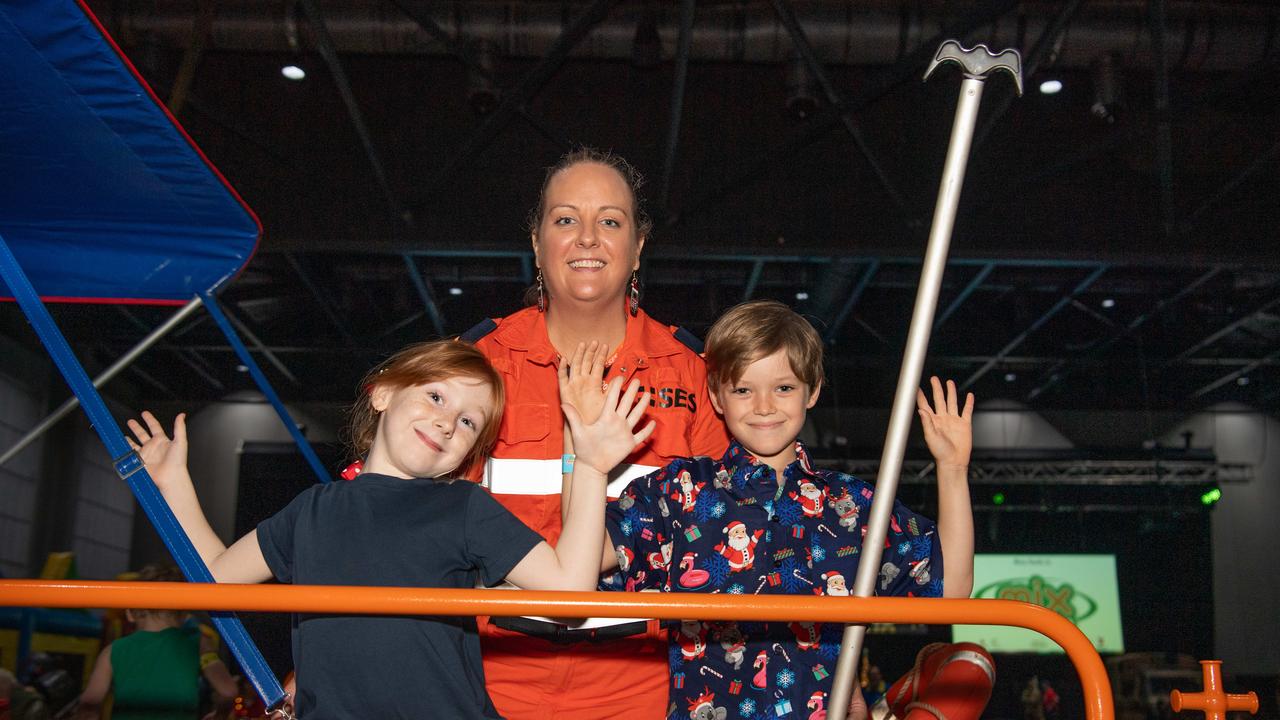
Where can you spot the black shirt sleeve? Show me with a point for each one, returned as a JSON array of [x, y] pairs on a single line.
[[276, 536], [494, 539]]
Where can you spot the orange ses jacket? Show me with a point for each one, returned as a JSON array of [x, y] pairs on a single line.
[[530, 678], [523, 471]]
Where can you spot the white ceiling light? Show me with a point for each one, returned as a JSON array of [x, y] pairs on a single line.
[[293, 72], [1050, 87]]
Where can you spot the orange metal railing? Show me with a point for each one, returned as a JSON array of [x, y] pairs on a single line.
[[668, 606]]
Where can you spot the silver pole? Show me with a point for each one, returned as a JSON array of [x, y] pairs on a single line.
[[904, 399], [73, 402]]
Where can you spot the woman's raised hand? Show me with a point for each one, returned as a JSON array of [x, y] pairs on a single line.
[[165, 459], [607, 441], [581, 378], [948, 428]]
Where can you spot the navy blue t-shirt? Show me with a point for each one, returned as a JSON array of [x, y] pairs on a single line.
[[380, 530]]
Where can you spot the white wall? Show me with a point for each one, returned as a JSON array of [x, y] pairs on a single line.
[[21, 406], [218, 432], [1246, 571], [1008, 425], [102, 533]]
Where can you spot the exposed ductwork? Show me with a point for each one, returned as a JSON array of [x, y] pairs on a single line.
[[1199, 36]]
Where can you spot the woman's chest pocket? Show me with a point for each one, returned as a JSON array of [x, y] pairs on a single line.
[[526, 426]]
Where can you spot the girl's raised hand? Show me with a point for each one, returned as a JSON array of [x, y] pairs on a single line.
[[602, 444], [581, 379], [948, 429], [165, 459]]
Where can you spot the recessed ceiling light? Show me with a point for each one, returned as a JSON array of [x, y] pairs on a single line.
[[455, 291], [802, 295], [1010, 377], [1108, 303], [1242, 380], [1050, 87], [293, 72], [242, 368]]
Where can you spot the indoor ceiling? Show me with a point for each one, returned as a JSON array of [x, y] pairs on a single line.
[[1115, 246]]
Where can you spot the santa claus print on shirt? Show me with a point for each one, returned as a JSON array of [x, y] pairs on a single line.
[[686, 491], [808, 634], [835, 585], [740, 549], [811, 499], [692, 639], [661, 560]]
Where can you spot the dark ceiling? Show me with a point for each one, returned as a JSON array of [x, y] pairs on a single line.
[[1115, 246]]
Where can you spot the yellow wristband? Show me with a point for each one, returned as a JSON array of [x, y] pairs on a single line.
[[208, 659]]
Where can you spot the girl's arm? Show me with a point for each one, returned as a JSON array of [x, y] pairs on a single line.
[[214, 670], [95, 691], [949, 435], [581, 377], [166, 462], [574, 564]]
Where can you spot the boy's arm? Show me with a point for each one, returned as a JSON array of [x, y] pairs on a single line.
[[949, 435], [166, 462], [574, 563]]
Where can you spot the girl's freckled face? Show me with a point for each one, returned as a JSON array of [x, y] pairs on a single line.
[[427, 430]]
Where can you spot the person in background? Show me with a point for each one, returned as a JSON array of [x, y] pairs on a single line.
[[154, 672], [588, 231], [18, 702]]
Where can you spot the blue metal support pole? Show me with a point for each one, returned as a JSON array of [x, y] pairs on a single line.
[[424, 292], [130, 469], [220, 318]]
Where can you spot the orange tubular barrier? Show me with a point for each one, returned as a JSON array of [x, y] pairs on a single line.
[[668, 606]]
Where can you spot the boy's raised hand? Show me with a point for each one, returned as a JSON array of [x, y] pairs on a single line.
[[581, 379], [607, 441], [165, 459], [948, 428]]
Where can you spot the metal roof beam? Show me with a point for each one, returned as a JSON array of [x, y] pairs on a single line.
[[683, 40], [800, 42], [423, 286], [964, 294], [1039, 322], [523, 91], [324, 44], [1055, 374]]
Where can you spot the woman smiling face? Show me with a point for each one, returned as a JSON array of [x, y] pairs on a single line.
[[587, 243]]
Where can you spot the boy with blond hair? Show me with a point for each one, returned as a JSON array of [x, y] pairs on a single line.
[[762, 519]]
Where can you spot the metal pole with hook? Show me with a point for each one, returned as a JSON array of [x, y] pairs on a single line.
[[977, 63]]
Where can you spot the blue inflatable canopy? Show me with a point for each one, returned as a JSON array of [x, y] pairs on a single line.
[[103, 197]]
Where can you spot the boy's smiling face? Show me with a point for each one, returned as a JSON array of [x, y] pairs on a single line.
[[765, 409]]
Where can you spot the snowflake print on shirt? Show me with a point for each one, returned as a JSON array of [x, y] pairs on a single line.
[[732, 526]]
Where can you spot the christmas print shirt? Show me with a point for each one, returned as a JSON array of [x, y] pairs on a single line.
[[729, 526]]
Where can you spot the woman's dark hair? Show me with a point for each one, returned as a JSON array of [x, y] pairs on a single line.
[[584, 154]]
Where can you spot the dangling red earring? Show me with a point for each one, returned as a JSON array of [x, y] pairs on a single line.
[[633, 295], [542, 294]]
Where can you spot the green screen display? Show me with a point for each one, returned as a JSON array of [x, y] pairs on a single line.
[[1081, 588]]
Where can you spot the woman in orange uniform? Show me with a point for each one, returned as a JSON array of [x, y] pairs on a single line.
[[588, 231]]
